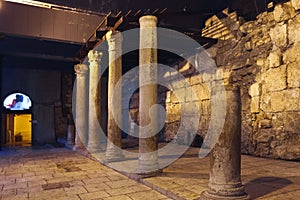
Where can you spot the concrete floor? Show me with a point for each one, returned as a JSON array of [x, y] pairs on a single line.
[[58, 173]]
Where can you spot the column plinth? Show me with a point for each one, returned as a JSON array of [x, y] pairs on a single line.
[[225, 158], [148, 158], [81, 107], [70, 136], [114, 141], [94, 143]]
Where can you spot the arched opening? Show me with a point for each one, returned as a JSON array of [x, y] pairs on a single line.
[[17, 120]]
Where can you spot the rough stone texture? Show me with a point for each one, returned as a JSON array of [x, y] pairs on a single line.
[[293, 29], [296, 4], [278, 35], [293, 75], [283, 12], [275, 79], [275, 58]]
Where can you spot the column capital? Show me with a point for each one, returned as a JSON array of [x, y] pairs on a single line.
[[94, 56], [80, 69], [148, 21], [114, 40]]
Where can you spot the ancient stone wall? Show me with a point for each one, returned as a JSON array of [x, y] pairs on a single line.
[[263, 57], [63, 107]]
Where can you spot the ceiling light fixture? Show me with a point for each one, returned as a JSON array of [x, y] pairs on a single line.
[[32, 3]]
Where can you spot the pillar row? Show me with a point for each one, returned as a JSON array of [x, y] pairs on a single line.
[[148, 158], [81, 106], [114, 142], [94, 143], [225, 158]]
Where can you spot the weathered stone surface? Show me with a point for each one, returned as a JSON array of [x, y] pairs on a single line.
[[275, 79], [196, 79], [255, 90], [283, 12], [293, 29], [293, 75], [296, 4], [292, 99], [275, 58], [287, 151], [292, 122], [292, 54], [265, 123], [264, 136], [201, 91], [277, 102], [278, 35], [255, 104]]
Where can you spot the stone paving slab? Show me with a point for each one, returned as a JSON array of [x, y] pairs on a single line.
[[63, 174]]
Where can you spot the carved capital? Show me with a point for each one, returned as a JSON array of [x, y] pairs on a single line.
[[95, 56], [80, 69], [114, 40]]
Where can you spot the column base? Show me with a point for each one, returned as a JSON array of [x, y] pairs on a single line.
[[69, 145], [149, 174], [94, 149], [114, 158], [78, 147], [207, 196]]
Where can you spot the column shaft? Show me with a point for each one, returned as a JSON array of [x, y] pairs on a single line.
[[148, 159], [94, 143], [81, 106], [225, 158], [114, 143]]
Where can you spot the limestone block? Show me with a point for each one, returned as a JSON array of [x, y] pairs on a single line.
[[277, 101], [261, 62], [293, 29], [275, 79], [283, 12], [255, 105], [293, 75], [292, 99], [196, 79], [278, 35], [205, 107], [292, 54], [202, 92], [265, 123], [292, 122], [296, 4], [275, 58], [255, 90]]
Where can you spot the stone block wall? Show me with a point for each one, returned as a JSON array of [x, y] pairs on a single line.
[[263, 57], [63, 107]]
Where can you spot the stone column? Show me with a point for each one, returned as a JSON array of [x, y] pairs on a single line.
[[225, 158], [148, 158], [81, 106], [70, 136], [94, 142], [114, 142]]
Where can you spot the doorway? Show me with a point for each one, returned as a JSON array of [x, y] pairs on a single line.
[[18, 129]]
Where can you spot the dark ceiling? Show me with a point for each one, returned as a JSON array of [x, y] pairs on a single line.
[[187, 16]]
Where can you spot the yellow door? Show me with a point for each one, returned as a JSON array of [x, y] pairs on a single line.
[[22, 129]]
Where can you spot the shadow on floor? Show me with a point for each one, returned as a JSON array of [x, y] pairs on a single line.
[[265, 185]]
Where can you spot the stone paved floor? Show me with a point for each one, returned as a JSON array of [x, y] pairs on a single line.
[[59, 173], [266, 179], [62, 174]]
